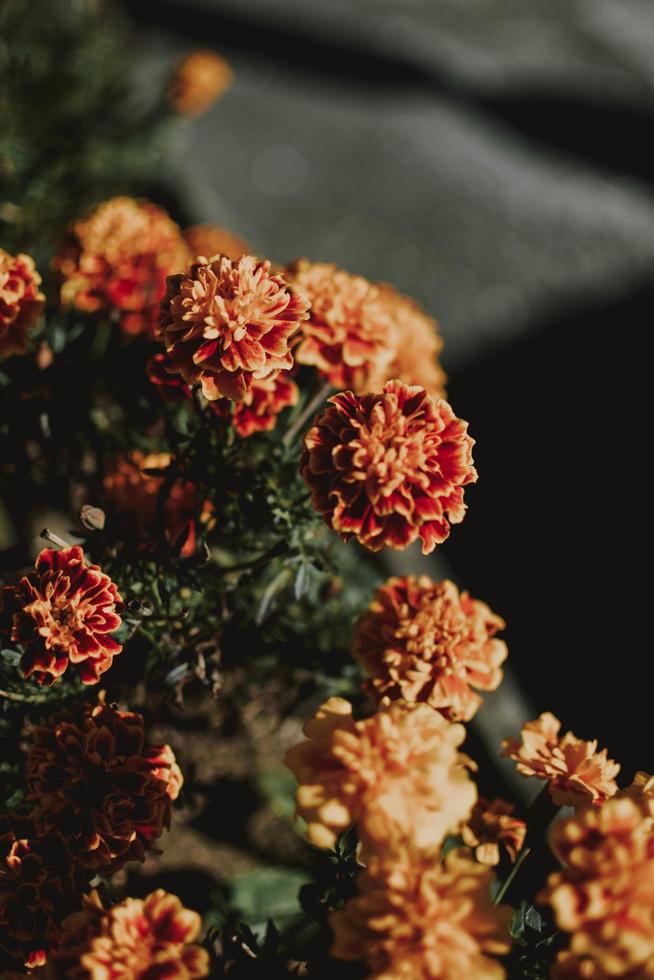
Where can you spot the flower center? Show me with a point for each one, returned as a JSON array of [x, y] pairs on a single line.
[[389, 455], [58, 616], [429, 635]]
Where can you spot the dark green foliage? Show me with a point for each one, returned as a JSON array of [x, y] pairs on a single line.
[[72, 132], [536, 943]]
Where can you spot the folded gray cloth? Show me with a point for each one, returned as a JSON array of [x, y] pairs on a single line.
[[491, 233], [601, 50]]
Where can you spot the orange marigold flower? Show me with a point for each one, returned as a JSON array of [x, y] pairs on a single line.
[[604, 896], [227, 324], [93, 780], [389, 468], [576, 772], [117, 259], [351, 333], [571, 967], [398, 775], [417, 346], [63, 614], [169, 385], [425, 641], [21, 301], [414, 919], [492, 826], [166, 769], [140, 939], [256, 413], [199, 80], [262, 404], [209, 240], [39, 885], [132, 493], [641, 792]]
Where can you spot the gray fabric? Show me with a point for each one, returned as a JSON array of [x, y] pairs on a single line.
[[490, 233], [597, 48]]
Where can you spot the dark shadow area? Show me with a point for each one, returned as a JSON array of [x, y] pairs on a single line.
[[229, 805], [488, 777], [558, 519], [297, 48], [196, 889], [608, 136]]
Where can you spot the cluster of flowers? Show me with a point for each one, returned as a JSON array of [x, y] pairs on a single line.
[[399, 777], [235, 327], [96, 794], [385, 468], [386, 463], [603, 897], [98, 797]]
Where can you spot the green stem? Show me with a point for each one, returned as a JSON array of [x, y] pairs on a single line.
[[540, 814], [308, 410], [11, 696], [277, 549], [524, 854]]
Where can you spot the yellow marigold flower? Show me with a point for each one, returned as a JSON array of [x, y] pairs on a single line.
[[417, 346], [414, 919], [577, 773], [641, 792], [138, 939], [21, 302], [199, 80], [398, 775], [604, 896], [425, 641], [209, 240]]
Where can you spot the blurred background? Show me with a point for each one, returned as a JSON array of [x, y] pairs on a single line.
[[493, 159]]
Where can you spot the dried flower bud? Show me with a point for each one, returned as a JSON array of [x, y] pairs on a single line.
[[93, 518]]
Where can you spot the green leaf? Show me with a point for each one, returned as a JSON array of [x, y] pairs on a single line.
[[534, 919], [11, 656], [16, 800], [449, 844], [270, 893], [302, 580], [278, 786]]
